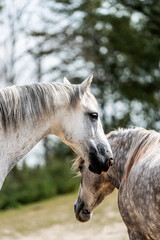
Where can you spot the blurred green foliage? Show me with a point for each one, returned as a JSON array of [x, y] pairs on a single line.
[[25, 185]]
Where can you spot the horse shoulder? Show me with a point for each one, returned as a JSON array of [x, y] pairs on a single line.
[[139, 197]]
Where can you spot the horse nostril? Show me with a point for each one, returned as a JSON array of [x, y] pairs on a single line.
[[85, 211], [110, 161]]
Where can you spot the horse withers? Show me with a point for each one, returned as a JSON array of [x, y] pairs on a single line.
[[136, 173], [29, 113]]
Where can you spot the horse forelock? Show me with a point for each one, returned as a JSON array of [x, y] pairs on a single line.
[[19, 103], [92, 98]]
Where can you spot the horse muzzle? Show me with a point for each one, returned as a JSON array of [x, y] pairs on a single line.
[[82, 214], [100, 159]]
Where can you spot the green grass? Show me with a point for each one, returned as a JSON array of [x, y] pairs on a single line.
[[56, 211]]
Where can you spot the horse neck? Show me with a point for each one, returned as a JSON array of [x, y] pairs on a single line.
[[120, 144], [16, 144], [17, 141]]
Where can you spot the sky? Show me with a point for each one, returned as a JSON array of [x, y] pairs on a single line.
[[24, 67]]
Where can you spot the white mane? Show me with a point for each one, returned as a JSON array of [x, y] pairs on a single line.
[[18, 103]]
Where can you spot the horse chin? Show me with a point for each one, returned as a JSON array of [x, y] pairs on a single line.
[[84, 216], [80, 152]]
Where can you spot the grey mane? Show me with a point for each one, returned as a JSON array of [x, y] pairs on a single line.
[[137, 142], [20, 103]]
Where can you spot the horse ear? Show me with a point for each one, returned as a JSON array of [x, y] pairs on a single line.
[[65, 80], [86, 84]]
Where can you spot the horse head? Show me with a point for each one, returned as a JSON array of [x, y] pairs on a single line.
[[81, 128], [93, 189]]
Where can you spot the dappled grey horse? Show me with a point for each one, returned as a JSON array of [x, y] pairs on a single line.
[[31, 112], [136, 173]]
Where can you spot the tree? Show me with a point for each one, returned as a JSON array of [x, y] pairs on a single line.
[[119, 41], [14, 18]]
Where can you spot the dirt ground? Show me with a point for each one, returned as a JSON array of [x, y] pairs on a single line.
[[54, 220], [68, 232]]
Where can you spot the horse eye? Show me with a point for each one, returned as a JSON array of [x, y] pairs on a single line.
[[93, 116]]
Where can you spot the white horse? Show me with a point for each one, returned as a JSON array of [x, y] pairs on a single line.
[[31, 112]]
